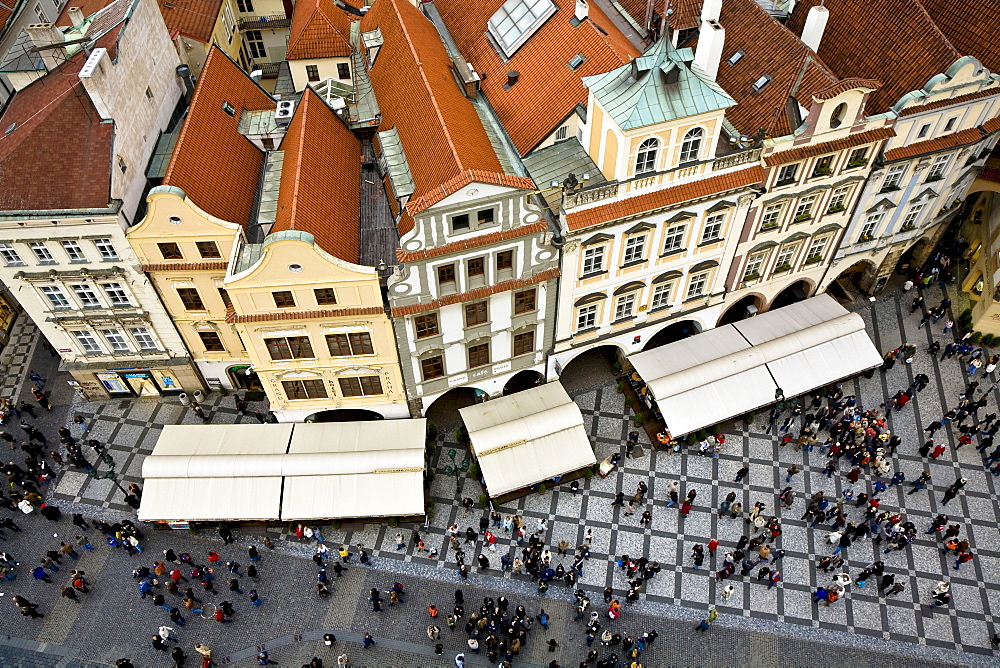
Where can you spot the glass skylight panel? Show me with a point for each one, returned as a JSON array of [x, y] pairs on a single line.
[[516, 20]]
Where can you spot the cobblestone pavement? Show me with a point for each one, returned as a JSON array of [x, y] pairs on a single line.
[[113, 618]]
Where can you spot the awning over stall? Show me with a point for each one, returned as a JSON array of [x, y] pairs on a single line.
[[285, 471], [731, 370], [527, 437]]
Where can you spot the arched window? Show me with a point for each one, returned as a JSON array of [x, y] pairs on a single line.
[[837, 117], [645, 161], [691, 146]]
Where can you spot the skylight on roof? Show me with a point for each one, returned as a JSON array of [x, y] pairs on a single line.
[[517, 20], [759, 84], [736, 57], [576, 61]]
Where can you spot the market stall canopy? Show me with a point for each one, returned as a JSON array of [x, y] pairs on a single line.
[[285, 471], [527, 437], [731, 370]]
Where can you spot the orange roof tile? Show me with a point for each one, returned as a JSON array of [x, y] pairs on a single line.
[[963, 138], [850, 141], [5, 14], [441, 133], [232, 318], [687, 13], [971, 26], [319, 30], [477, 293], [216, 166], [320, 189], [958, 99], [472, 242], [903, 42], [990, 174], [87, 7], [992, 125], [459, 181], [192, 18], [846, 85], [186, 266], [666, 197], [547, 90]]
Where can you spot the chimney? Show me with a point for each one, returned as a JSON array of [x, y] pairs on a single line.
[[711, 37], [816, 20], [76, 16], [581, 10], [47, 35], [511, 79], [710, 10]]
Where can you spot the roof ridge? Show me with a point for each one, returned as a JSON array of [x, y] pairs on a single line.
[[934, 26], [317, 9], [302, 111]]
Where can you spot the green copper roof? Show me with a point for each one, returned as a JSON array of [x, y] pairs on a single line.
[[660, 85]]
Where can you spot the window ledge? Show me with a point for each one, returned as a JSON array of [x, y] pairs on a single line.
[[593, 274], [582, 332], [46, 263], [633, 263], [488, 324], [676, 251], [622, 321], [711, 242], [695, 299], [660, 309]]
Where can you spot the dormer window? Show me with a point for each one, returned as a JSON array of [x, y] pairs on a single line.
[[691, 146], [517, 20], [645, 160], [837, 117]]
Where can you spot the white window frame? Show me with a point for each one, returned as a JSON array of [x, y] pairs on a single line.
[[254, 40], [73, 251], [662, 294], [140, 336], [562, 133], [697, 284], [788, 173], [646, 156], [86, 295], [586, 317], [924, 129], [950, 124], [107, 250], [937, 167], [88, 342], [635, 249], [117, 341], [913, 214], [673, 239], [817, 247], [786, 255], [594, 257], [117, 294], [770, 219], [624, 306], [691, 145], [57, 299], [893, 176], [10, 256], [872, 221], [839, 198], [41, 252], [755, 263], [804, 207], [713, 228]]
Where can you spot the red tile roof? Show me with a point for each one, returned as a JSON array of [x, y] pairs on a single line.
[[5, 14], [971, 26], [216, 166], [666, 197], [232, 318], [320, 29], [59, 154], [687, 13], [958, 99], [850, 141], [990, 174], [547, 89], [963, 138], [472, 242], [992, 125], [192, 18], [320, 189], [902, 47], [477, 293], [87, 7], [846, 85], [463, 179], [441, 133], [186, 266]]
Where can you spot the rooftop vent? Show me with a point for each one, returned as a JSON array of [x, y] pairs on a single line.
[[229, 109], [511, 79], [283, 114]]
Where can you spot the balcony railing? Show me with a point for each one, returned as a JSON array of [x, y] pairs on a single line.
[[264, 22]]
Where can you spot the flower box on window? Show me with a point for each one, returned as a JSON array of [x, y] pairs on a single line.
[[822, 171], [857, 163], [907, 227], [768, 227], [933, 177], [752, 276], [813, 259], [781, 267], [801, 218], [836, 208], [889, 189], [864, 238]]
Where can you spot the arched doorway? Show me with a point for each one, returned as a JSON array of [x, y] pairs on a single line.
[[854, 282], [796, 292], [738, 311], [673, 332], [590, 368], [345, 415], [443, 412], [523, 380], [243, 377], [913, 258]]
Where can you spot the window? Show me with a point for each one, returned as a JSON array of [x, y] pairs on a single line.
[[593, 260], [121, 165], [871, 223], [106, 249], [143, 338], [673, 239], [485, 217], [754, 264], [691, 146], [804, 210], [55, 296], [786, 174], [312, 71], [505, 260], [191, 299], [838, 201], [785, 257], [355, 343], [561, 133], [937, 168], [170, 251], [224, 295], [524, 343], [713, 228], [696, 288], [476, 266], [479, 355], [426, 325], [950, 125], [645, 160], [759, 84], [858, 157], [42, 253], [446, 274], [255, 44], [304, 389], [283, 299], [40, 14], [837, 117], [87, 342], [824, 166], [73, 251], [910, 220], [736, 57], [924, 129], [892, 178], [343, 71], [10, 255], [325, 296], [460, 222], [586, 317], [227, 106], [86, 296], [289, 347], [816, 248], [635, 248], [524, 301], [475, 314], [116, 294], [212, 342], [361, 386], [624, 306], [116, 340], [432, 367], [661, 295], [772, 213], [208, 249], [149, 94], [245, 6], [516, 20]]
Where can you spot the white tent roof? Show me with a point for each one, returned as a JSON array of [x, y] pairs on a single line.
[[705, 379], [285, 471], [528, 437]]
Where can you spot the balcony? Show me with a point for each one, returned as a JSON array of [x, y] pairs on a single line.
[[268, 70], [264, 22]]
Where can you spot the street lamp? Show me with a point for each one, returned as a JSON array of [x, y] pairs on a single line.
[[110, 474]]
